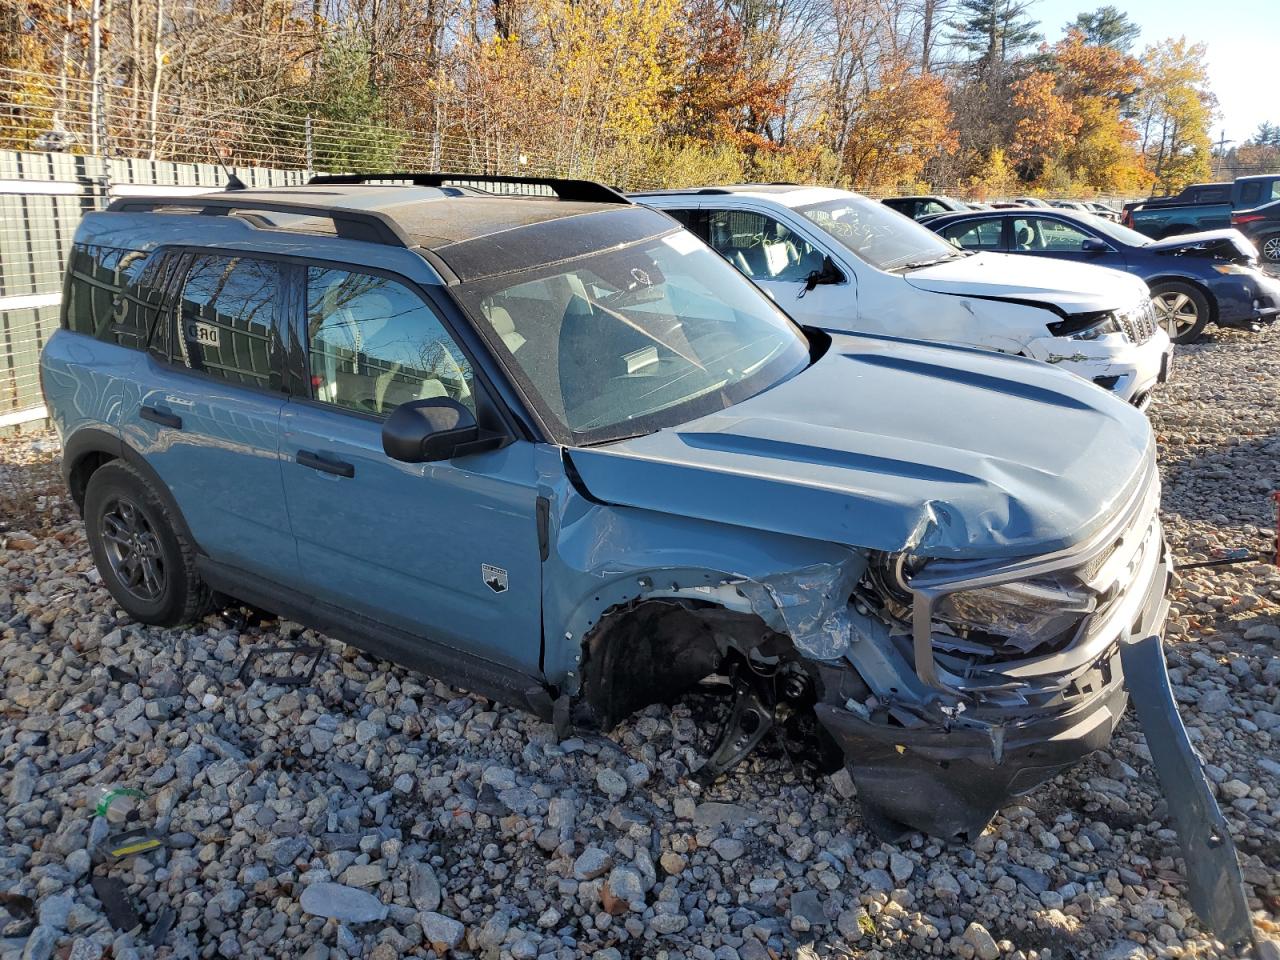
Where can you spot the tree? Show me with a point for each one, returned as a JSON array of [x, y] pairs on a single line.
[[1107, 27], [1175, 109], [1267, 135], [995, 31]]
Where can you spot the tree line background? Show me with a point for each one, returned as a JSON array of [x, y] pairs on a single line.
[[882, 95]]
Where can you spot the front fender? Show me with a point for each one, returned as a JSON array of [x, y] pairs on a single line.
[[601, 556]]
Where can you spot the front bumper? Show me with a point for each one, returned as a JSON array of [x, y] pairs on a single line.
[[1245, 298], [1129, 370]]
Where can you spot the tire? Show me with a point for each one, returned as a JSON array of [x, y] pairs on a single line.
[[1269, 247], [1183, 310], [145, 562]]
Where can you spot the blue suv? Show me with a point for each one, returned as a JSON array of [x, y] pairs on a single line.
[[555, 449]]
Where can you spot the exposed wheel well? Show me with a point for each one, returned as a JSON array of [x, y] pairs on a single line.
[[655, 650], [1204, 291], [83, 468]]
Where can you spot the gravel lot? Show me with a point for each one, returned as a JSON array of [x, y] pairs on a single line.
[[454, 824]]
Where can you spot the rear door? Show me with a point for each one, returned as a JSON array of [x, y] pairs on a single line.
[[447, 551], [204, 408], [1060, 239]]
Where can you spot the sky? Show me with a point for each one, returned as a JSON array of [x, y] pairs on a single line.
[[1243, 38]]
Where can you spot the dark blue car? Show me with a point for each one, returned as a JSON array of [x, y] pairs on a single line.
[[1195, 279]]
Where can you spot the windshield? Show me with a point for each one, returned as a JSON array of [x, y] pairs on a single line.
[[1109, 228], [628, 341], [877, 234]]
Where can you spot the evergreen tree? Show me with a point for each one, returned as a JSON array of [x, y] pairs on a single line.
[[1107, 27], [995, 31]]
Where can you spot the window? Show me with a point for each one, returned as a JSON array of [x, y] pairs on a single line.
[[927, 207], [761, 247], [227, 322], [374, 344], [983, 235], [687, 219], [1041, 233], [1275, 190], [1250, 193], [113, 294], [629, 340], [877, 236]]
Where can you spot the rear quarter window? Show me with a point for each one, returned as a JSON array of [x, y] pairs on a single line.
[[112, 294]]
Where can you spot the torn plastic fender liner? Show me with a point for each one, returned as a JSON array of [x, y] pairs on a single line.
[[810, 605], [1215, 883]]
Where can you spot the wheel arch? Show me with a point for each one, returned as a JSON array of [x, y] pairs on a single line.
[[88, 449]]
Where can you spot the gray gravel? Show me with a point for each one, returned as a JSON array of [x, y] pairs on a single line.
[[377, 813]]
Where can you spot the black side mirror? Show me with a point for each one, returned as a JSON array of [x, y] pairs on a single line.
[[426, 431], [829, 273], [1094, 245]]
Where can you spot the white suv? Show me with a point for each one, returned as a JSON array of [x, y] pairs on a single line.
[[839, 261]]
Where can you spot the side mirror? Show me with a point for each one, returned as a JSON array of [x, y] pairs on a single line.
[[426, 431], [829, 273], [1094, 245]]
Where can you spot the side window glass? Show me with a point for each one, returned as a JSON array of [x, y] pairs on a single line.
[[227, 320], [1037, 233], [688, 219], [374, 344], [1275, 190], [1250, 193], [761, 247], [930, 206], [984, 235], [113, 294]]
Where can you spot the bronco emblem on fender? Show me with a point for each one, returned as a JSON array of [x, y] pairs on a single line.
[[495, 578]]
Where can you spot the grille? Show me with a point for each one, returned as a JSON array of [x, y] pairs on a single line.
[[1139, 324]]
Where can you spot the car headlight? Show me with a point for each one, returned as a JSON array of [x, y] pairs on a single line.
[[1108, 325], [1234, 268], [1024, 613]]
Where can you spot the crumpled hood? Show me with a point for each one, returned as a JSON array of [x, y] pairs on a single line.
[[1229, 243], [892, 444], [1070, 286]]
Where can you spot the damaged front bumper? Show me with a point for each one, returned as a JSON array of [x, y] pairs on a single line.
[[939, 748], [1129, 370]]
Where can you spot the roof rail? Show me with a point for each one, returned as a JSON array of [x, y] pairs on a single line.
[[563, 188], [367, 225]]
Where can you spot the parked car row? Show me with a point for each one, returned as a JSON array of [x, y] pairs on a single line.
[[924, 207], [836, 260], [562, 451], [1195, 280]]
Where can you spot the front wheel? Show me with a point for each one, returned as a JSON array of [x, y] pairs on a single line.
[[145, 562], [1271, 249], [1182, 309]]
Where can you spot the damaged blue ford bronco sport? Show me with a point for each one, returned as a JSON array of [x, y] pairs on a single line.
[[554, 449]]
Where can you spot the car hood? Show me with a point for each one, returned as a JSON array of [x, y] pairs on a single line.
[[891, 444], [1228, 243], [1068, 286]]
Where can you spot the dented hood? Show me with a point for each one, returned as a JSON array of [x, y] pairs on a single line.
[[1229, 244], [890, 444], [1068, 286]]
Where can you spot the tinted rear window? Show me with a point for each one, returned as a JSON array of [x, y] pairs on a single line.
[[112, 294]]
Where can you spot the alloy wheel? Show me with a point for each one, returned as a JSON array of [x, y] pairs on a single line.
[[1271, 249], [1177, 312], [133, 550]]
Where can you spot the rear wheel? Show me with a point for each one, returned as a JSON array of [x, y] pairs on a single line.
[[146, 563], [1182, 309]]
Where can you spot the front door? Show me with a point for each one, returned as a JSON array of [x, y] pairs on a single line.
[[448, 551]]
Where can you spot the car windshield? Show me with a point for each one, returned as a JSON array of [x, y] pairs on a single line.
[[877, 234], [624, 342], [1109, 228]]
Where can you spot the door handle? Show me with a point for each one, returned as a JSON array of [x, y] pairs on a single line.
[[162, 417], [316, 462]]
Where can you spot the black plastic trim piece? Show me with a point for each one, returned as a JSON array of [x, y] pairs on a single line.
[[542, 509], [564, 188], [366, 225], [162, 417], [454, 666]]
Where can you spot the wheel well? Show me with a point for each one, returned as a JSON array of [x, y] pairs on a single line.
[[1205, 292], [84, 467], [654, 650]]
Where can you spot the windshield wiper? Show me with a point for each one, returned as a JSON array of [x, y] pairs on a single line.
[[921, 264]]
